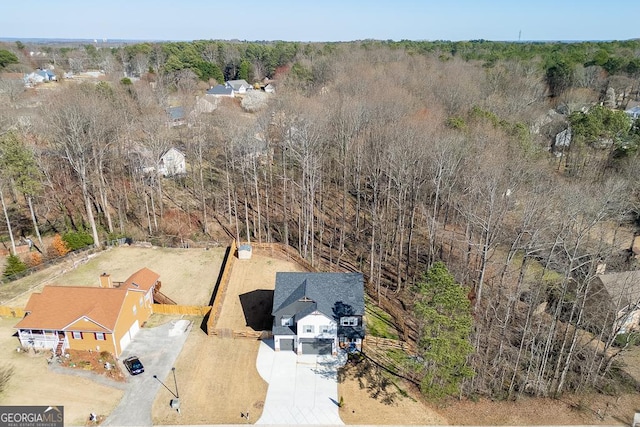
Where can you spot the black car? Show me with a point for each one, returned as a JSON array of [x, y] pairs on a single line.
[[134, 366]]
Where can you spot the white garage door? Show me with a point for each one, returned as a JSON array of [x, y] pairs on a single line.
[[126, 338], [133, 330], [124, 342]]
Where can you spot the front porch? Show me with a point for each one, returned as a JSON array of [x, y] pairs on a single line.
[[39, 339], [350, 344]]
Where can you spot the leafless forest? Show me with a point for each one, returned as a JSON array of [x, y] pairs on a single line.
[[379, 160]]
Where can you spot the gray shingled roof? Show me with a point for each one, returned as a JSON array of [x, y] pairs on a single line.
[[220, 90], [623, 288], [323, 290], [237, 84], [176, 113]]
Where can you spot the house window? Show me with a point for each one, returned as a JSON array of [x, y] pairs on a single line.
[[349, 321], [77, 335], [99, 336], [324, 329], [287, 321], [141, 301], [135, 309], [308, 329]]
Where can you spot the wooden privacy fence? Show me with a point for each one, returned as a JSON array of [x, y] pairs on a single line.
[[188, 310], [229, 333], [221, 288], [288, 251], [11, 311]]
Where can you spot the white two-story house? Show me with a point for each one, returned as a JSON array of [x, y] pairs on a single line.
[[317, 313]]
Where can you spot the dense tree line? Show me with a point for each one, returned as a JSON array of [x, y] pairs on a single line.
[[374, 157]]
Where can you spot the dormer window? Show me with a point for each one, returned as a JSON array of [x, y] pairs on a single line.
[[349, 321], [287, 321]]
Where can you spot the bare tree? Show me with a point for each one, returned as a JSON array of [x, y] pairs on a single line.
[[80, 123]]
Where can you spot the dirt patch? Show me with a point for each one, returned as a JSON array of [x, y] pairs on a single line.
[[370, 396], [100, 363], [217, 380], [249, 298], [571, 410], [33, 383], [631, 361]]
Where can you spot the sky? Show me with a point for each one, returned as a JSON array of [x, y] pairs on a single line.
[[325, 20]]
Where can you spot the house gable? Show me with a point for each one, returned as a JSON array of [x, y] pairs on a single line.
[[143, 279], [316, 325], [172, 162], [86, 324]]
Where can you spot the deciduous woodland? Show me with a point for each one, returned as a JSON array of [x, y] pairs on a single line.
[[395, 159]]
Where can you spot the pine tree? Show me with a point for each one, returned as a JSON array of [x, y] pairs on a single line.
[[14, 266], [444, 313]]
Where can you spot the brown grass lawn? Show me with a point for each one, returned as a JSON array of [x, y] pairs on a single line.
[[188, 276], [217, 380]]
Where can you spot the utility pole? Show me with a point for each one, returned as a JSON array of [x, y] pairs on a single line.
[[175, 403]]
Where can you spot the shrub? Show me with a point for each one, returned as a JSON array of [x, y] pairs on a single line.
[[631, 338], [59, 246], [35, 258], [77, 239], [14, 266]]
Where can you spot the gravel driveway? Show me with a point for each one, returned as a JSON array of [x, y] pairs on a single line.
[[157, 348]]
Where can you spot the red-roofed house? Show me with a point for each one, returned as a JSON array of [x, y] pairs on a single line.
[[88, 318]]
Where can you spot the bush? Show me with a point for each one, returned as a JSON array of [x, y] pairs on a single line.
[[77, 239], [35, 258], [59, 246], [632, 338], [14, 266]]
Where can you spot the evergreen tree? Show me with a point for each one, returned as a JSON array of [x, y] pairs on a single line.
[[444, 313], [7, 58], [244, 72], [14, 266]]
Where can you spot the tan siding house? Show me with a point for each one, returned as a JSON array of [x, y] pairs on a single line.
[[104, 318]]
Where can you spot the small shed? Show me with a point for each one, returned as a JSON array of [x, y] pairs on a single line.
[[244, 251]]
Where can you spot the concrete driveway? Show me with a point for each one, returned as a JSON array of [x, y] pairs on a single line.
[[302, 389], [158, 349]]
